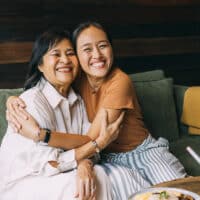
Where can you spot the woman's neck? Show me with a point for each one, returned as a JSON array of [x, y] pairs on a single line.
[[95, 82], [63, 90]]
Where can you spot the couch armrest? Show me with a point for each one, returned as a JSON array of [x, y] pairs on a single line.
[[179, 91], [4, 94], [178, 148]]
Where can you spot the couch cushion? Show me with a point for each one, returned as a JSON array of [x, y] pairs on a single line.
[[157, 103], [4, 94], [178, 148], [148, 76]]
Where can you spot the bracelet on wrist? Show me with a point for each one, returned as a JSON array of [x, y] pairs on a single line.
[[96, 146]]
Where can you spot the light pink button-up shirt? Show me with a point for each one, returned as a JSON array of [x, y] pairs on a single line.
[[20, 157]]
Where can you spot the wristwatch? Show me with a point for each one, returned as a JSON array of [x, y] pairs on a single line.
[[47, 135]]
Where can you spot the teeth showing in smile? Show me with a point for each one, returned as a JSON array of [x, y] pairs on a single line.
[[99, 64], [64, 69]]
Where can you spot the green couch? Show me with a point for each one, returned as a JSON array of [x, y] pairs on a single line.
[[161, 102]]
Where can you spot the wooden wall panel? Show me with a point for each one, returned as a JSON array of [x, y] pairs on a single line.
[[19, 52], [147, 34], [184, 68], [13, 75], [157, 46], [15, 52]]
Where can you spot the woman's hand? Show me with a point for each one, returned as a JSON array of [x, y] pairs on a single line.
[[86, 182], [109, 132], [29, 128], [15, 105], [21, 120]]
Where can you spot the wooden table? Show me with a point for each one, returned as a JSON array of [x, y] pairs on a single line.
[[189, 183]]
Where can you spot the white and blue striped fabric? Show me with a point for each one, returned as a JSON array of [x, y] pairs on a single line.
[[151, 159], [124, 181]]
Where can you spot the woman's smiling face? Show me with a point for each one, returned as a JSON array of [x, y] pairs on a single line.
[[94, 52], [60, 65]]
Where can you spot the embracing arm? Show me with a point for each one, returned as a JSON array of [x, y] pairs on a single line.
[[18, 116], [108, 132], [105, 132], [82, 142], [66, 141]]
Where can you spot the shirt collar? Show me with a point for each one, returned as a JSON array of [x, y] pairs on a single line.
[[54, 97]]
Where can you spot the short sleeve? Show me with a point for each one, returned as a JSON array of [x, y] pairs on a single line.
[[118, 93]]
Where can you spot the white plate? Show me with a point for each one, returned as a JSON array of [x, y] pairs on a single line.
[[159, 189]]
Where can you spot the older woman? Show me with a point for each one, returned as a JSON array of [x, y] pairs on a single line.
[[34, 171], [123, 181]]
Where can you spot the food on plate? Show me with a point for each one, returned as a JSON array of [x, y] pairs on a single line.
[[163, 195]]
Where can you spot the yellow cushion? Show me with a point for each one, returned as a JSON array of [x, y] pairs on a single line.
[[191, 110], [193, 130]]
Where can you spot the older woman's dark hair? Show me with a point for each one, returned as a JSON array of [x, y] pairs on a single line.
[[43, 43], [81, 27]]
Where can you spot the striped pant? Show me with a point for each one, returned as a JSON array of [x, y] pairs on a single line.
[[124, 181], [151, 159]]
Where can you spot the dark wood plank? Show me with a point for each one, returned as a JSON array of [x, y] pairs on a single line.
[[13, 71], [65, 13], [184, 68], [129, 2], [10, 85], [15, 52], [124, 13], [13, 75], [20, 21], [157, 46], [19, 52], [17, 32], [20, 7]]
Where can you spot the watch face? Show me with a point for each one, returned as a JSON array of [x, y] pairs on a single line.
[[165, 193]]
